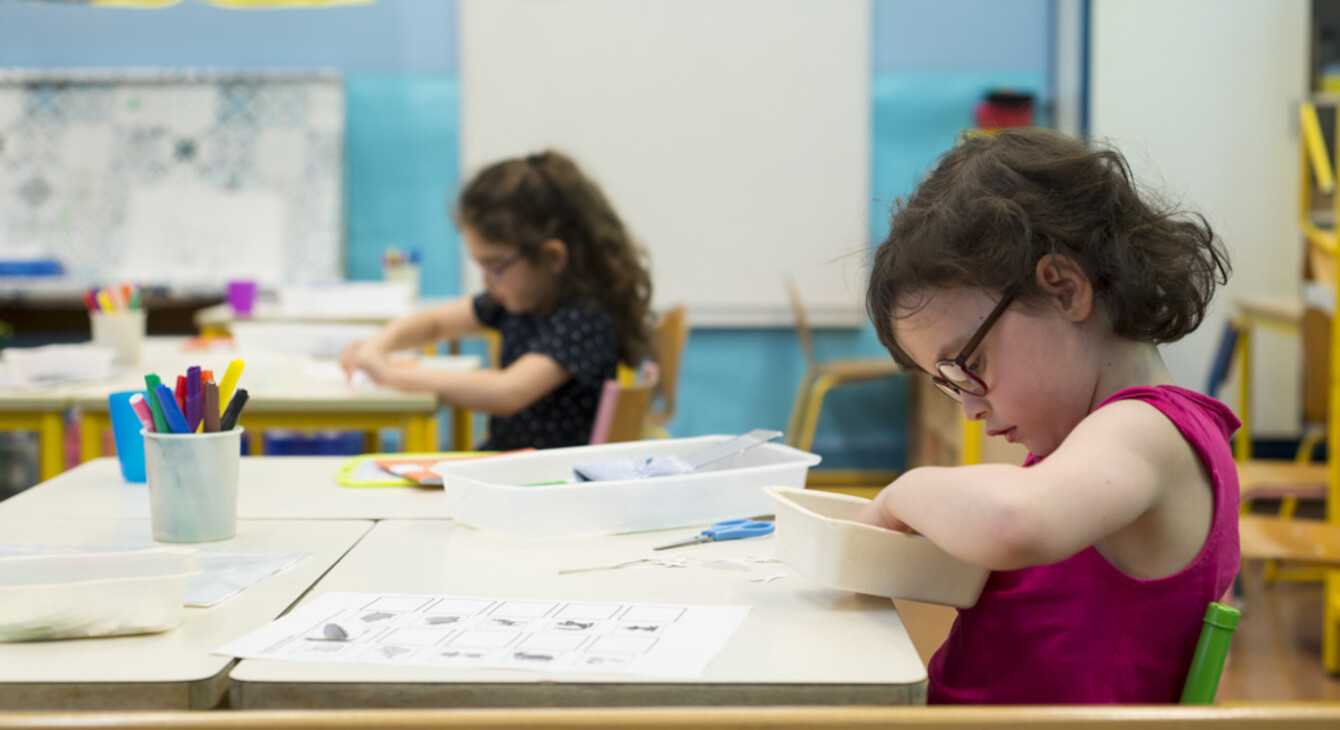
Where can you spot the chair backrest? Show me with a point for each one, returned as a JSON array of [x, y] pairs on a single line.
[[1223, 357], [672, 332], [803, 332], [1207, 664], [1316, 364], [621, 413]]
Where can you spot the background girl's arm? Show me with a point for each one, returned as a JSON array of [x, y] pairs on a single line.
[[1112, 468], [444, 322], [495, 392]]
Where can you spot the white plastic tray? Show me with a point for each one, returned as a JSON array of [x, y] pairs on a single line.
[[491, 494], [65, 596], [817, 537]]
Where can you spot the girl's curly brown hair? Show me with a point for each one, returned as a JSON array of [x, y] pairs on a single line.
[[996, 204], [528, 200]]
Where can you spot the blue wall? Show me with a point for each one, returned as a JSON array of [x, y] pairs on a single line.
[[932, 61]]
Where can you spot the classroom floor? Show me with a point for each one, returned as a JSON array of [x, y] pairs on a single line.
[[1276, 653]]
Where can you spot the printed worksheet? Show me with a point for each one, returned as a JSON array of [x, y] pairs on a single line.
[[657, 640]]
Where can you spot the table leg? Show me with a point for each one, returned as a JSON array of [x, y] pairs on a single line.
[[421, 433], [91, 429], [462, 429], [1330, 635], [51, 437]]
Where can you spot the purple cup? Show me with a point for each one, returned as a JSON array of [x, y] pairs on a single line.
[[242, 296]]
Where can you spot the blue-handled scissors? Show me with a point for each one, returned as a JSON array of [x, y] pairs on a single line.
[[726, 530]]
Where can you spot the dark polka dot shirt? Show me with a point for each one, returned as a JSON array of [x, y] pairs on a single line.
[[580, 337]]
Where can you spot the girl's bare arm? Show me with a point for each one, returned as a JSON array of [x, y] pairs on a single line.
[[495, 392], [1110, 470], [448, 321]]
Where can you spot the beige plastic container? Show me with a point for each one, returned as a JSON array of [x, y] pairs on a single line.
[[65, 596], [816, 535]]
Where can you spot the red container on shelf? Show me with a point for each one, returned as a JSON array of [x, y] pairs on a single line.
[[1004, 109]]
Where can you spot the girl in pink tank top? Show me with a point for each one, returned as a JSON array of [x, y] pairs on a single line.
[[1033, 282]]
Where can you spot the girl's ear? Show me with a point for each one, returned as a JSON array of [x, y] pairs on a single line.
[[554, 255], [1066, 283]]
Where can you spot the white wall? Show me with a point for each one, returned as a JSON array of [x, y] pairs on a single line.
[[732, 136], [1201, 96]]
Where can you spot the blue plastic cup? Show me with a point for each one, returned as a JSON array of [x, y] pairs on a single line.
[[129, 442]]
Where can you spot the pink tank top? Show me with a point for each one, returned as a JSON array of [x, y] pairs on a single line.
[[1081, 631]]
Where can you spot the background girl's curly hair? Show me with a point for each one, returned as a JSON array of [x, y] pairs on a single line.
[[995, 205], [527, 201]]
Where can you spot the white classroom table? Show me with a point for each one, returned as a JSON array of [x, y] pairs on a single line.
[[219, 317], [800, 644], [269, 487], [175, 669], [286, 392]]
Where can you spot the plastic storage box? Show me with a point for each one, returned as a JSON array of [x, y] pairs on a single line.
[[63, 596], [817, 537], [516, 495]]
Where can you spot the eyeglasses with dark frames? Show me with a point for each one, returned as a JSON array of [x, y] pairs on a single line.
[[955, 377], [496, 271]]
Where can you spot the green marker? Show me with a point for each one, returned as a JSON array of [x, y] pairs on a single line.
[[160, 423]]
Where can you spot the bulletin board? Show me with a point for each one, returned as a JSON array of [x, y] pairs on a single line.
[[186, 179], [732, 137]]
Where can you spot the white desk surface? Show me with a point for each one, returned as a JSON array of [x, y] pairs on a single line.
[[274, 382], [222, 315], [175, 669], [800, 644], [269, 487], [13, 400]]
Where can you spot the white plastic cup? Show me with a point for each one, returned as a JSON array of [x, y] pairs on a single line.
[[406, 272], [120, 331], [192, 484]]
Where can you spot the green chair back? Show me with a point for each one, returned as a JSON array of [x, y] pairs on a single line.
[[1207, 664]]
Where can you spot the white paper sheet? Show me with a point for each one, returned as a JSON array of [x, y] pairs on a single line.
[[657, 640]]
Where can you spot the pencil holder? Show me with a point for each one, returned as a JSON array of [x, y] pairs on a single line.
[[192, 484], [122, 332], [406, 272]]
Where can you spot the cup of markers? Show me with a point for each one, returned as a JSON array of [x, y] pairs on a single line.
[[192, 447], [116, 318], [403, 266]]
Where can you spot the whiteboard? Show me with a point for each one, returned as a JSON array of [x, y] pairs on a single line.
[[732, 136]]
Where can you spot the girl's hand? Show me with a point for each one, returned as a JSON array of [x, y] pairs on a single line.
[[874, 514], [364, 355], [348, 358]]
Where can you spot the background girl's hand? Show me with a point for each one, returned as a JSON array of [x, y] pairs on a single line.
[[348, 358], [366, 356]]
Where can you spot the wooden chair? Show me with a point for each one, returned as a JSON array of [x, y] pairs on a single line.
[[1266, 539], [1285, 480], [668, 340], [621, 413], [1301, 478], [821, 377]]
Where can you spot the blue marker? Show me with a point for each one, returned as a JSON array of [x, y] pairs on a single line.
[[176, 421]]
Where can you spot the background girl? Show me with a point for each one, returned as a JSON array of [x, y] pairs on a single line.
[[566, 287]]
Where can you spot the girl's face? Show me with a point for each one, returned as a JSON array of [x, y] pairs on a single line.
[[1033, 363], [516, 283]]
